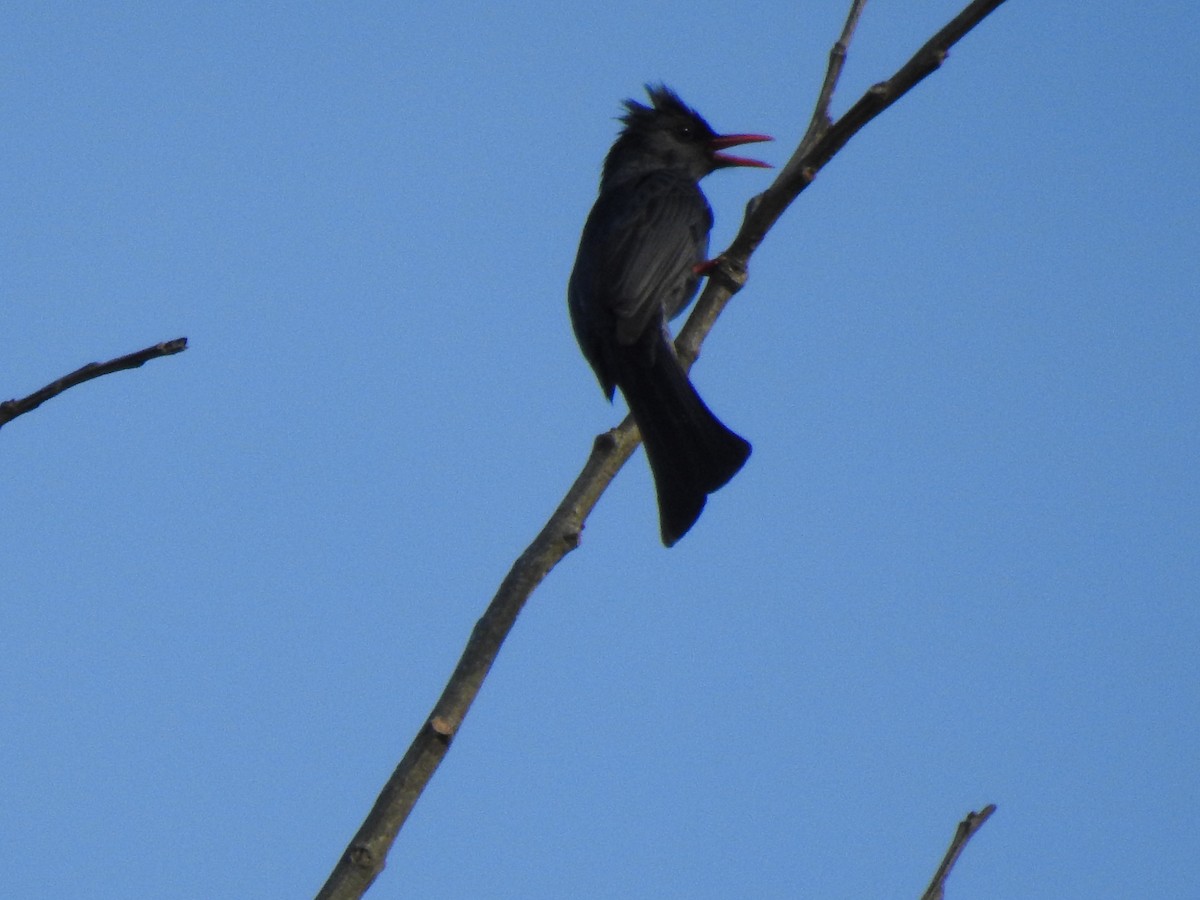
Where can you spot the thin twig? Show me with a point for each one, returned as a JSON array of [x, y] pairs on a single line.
[[966, 830], [820, 121], [366, 855], [10, 409]]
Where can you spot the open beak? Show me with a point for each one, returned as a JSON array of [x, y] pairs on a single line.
[[721, 141]]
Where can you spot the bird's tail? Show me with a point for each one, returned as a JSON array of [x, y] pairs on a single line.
[[691, 452]]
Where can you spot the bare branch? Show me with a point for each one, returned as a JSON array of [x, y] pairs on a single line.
[[966, 830], [366, 854], [10, 409]]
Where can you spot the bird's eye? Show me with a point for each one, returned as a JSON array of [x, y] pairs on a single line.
[[686, 132]]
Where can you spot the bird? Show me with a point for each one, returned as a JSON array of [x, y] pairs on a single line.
[[642, 253]]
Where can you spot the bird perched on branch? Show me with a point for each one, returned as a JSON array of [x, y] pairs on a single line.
[[643, 251]]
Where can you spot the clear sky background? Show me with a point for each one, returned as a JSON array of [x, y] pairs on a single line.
[[961, 567]]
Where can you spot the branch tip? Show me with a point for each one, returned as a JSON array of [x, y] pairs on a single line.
[[10, 409], [964, 832]]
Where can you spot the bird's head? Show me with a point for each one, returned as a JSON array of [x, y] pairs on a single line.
[[668, 134]]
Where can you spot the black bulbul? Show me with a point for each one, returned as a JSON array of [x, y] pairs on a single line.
[[641, 256]]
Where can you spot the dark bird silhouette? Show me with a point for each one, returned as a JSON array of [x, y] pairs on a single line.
[[641, 256]]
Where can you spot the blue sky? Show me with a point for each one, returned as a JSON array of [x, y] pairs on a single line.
[[962, 565]]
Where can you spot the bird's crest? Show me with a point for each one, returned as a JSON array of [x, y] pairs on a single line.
[[663, 100]]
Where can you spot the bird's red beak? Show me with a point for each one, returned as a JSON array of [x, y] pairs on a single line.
[[721, 141]]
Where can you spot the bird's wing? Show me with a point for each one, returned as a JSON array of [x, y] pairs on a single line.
[[653, 231]]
